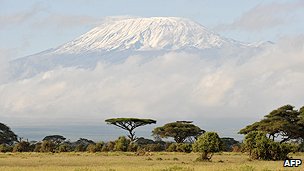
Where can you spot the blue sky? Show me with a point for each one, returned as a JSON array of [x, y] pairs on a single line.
[[31, 26]]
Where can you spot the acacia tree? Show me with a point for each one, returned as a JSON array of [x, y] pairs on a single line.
[[57, 139], [284, 122], [228, 143], [301, 123], [130, 124], [7, 136], [179, 131]]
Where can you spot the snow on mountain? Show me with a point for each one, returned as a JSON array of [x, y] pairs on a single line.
[[116, 40], [145, 34]]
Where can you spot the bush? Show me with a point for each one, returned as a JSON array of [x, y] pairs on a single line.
[[179, 147], [22, 146], [154, 147], [5, 148], [261, 147], [31, 147], [236, 148], [80, 148], [37, 147], [109, 146], [133, 147], [207, 144], [64, 148], [91, 148], [184, 147], [121, 144], [301, 147], [171, 147], [99, 146], [47, 146]]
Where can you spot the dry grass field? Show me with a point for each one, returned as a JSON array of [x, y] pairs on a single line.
[[115, 161]]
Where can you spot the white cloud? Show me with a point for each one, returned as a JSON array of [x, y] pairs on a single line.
[[169, 87], [5, 55], [39, 15], [64, 21], [266, 16], [20, 17]]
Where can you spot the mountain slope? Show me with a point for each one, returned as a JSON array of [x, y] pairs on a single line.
[[114, 41], [145, 34]]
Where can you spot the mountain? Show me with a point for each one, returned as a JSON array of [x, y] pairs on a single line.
[[144, 34], [114, 41]]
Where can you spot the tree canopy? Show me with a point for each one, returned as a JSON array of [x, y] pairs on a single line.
[[207, 144], [7, 136], [130, 124], [284, 122], [57, 139], [84, 142], [179, 131], [261, 147], [228, 143]]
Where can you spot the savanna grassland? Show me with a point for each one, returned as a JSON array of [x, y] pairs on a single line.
[[127, 161]]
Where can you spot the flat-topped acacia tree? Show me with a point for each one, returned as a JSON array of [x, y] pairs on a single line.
[[179, 131], [130, 124]]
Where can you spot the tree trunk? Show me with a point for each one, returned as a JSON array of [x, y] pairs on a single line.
[[132, 135], [204, 156]]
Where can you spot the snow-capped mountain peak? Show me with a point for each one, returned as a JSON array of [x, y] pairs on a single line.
[[115, 40], [144, 34]]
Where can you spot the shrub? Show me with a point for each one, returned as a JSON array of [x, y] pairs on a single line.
[[301, 147], [22, 146], [207, 144], [109, 146], [91, 148], [133, 147], [154, 147], [99, 146], [121, 144], [31, 147], [236, 148], [37, 147], [64, 148], [47, 146], [5, 148], [179, 147], [80, 148], [261, 147], [184, 147], [171, 147]]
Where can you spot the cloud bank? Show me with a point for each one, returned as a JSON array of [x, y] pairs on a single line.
[[17, 18], [265, 16], [5, 55], [174, 86]]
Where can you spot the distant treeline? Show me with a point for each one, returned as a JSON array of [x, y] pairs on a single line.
[[273, 138], [58, 143]]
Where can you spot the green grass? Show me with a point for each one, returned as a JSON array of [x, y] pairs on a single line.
[[116, 161]]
